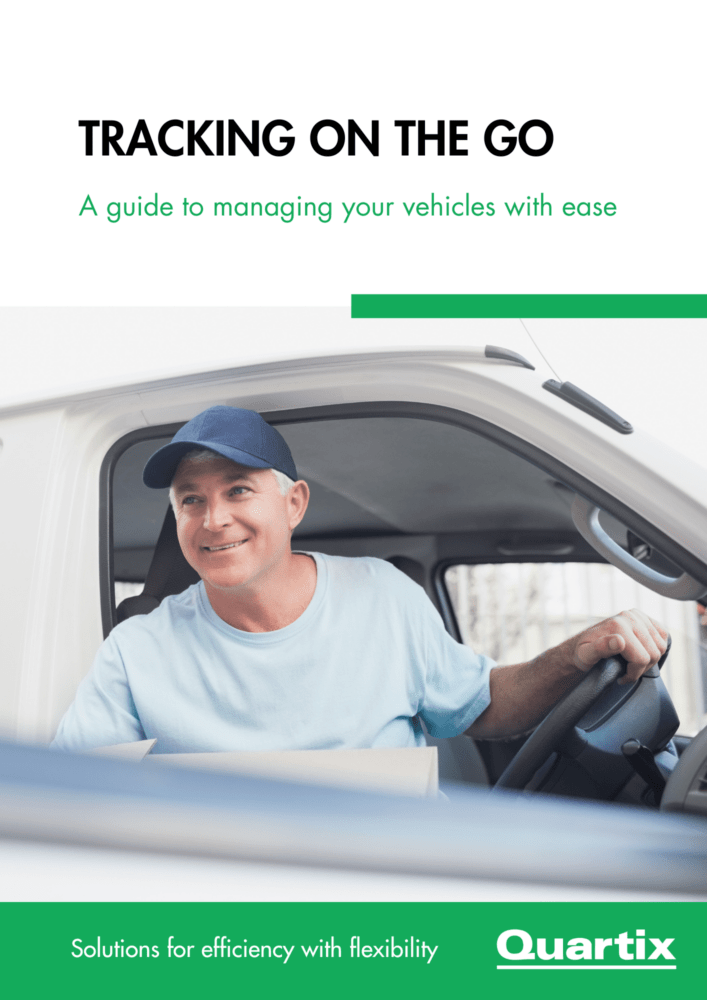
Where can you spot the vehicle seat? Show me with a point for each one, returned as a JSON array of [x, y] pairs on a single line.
[[410, 567]]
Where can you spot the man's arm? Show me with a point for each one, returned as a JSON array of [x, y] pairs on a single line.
[[103, 712], [523, 694]]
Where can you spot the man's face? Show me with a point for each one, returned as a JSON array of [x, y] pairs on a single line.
[[233, 523]]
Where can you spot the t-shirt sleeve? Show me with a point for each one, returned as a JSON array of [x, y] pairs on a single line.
[[456, 680], [103, 712]]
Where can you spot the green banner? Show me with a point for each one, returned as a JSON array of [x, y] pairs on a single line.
[[357, 950], [528, 306]]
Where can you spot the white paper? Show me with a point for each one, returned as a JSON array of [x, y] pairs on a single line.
[[125, 751], [406, 771]]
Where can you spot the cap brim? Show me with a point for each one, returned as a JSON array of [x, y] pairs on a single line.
[[161, 467]]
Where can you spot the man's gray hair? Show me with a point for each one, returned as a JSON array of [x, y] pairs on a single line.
[[284, 482]]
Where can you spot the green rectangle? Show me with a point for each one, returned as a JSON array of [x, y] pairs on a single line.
[[528, 306], [351, 950]]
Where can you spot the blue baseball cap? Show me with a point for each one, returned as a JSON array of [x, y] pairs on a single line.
[[241, 435]]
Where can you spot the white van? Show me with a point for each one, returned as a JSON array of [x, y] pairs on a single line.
[[525, 508]]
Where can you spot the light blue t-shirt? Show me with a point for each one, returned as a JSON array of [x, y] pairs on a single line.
[[368, 656]]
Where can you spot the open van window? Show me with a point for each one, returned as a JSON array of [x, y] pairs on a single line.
[[442, 502]]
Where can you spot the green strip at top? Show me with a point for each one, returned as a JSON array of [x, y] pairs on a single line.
[[528, 306]]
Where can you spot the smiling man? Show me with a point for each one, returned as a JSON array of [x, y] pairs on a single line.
[[275, 649], [234, 526]]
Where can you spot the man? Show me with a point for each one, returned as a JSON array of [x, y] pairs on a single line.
[[276, 649]]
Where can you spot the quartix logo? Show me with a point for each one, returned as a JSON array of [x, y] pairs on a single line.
[[519, 950]]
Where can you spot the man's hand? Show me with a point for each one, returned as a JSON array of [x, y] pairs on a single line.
[[523, 694], [640, 640]]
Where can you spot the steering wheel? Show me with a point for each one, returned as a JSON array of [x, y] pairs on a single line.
[[560, 720]]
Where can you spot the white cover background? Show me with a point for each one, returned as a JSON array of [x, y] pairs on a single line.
[[622, 85]]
